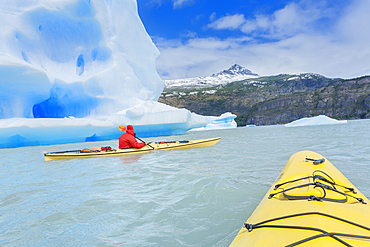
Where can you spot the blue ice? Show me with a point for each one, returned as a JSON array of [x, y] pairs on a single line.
[[71, 70]]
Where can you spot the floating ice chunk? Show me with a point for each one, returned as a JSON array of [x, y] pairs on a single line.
[[225, 121], [318, 120], [148, 118]]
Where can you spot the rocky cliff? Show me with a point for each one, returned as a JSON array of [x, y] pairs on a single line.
[[277, 99]]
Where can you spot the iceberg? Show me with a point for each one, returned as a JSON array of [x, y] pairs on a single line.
[[225, 121], [318, 120], [73, 70], [149, 119]]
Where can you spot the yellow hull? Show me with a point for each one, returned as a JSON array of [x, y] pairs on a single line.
[[309, 207], [146, 149]]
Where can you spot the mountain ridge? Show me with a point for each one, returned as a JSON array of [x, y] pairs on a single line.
[[234, 73], [234, 70], [276, 99]]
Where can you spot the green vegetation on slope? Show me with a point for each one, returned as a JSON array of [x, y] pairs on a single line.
[[277, 99]]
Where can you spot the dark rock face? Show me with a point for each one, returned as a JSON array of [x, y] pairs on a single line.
[[279, 99]]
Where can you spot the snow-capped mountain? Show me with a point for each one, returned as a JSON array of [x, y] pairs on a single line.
[[235, 70], [234, 73]]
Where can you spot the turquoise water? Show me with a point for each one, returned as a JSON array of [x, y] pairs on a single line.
[[195, 197]]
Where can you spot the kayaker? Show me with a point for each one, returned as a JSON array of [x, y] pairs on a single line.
[[127, 139]]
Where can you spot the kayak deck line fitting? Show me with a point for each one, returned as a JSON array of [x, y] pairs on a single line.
[[149, 147], [323, 186], [310, 204]]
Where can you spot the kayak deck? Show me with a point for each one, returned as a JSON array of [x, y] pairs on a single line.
[[150, 146], [310, 204]]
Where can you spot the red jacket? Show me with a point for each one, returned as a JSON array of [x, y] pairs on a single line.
[[127, 140]]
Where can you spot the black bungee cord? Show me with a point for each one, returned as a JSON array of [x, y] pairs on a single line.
[[324, 187], [262, 224]]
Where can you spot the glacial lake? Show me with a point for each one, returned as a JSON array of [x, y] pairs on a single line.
[[194, 197]]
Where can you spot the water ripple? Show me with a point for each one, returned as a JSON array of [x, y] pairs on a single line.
[[195, 197]]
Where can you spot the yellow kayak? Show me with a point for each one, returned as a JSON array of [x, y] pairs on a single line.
[[310, 204], [107, 151]]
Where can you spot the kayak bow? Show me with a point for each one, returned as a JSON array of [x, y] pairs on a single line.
[[310, 204]]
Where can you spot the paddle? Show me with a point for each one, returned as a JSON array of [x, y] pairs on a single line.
[[144, 142], [123, 129]]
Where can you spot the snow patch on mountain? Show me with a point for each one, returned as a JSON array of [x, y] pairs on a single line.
[[234, 73]]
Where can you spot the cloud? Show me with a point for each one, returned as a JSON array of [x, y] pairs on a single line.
[[212, 17], [293, 19], [181, 3], [198, 56], [354, 24], [175, 3], [299, 39], [228, 22], [153, 3]]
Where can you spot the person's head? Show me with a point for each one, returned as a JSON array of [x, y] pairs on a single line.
[[130, 128]]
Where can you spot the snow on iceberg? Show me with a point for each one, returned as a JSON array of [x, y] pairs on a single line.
[[225, 121], [318, 120], [74, 70], [149, 119]]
